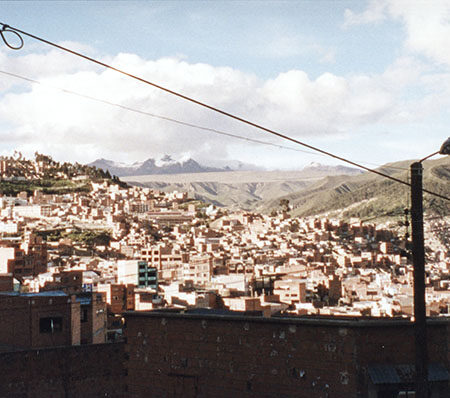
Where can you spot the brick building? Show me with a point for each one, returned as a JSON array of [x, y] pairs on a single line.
[[23, 259], [93, 317], [88, 371], [119, 297], [70, 282], [201, 355], [6, 282], [32, 320], [50, 319], [199, 269], [218, 354], [164, 257]]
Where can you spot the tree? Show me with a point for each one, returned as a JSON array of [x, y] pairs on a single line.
[[284, 204]]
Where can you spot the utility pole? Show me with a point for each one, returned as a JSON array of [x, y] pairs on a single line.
[[418, 252]]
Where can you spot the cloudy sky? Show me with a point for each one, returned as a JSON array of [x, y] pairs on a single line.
[[366, 80]]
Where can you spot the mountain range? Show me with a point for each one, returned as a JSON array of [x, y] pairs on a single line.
[[314, 190], [165, 165], [240, 189]]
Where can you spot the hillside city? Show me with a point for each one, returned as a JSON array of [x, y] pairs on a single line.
[[225, 199], [107, 248]]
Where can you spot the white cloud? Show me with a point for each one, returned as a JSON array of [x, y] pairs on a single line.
[[374, 13], [71, 128], [427, 24]]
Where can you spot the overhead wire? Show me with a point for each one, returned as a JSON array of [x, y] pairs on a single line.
[[6, 27], [177, 121], [180, 122]]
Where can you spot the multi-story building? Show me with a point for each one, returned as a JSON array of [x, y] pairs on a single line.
[[199, 269], [138, 273], [23, 259], [164, 257], [33, 211], [50, 319], [93, 317], [32, 320]]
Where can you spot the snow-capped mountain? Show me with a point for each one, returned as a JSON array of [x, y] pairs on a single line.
[[165, 165], [314, 166]]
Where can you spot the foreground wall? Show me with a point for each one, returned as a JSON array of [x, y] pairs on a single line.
[[189, 355], [88, 371]]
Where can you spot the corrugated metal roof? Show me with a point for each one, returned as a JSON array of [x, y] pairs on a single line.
[[52, 293], [437, 372], [383, 374], [396, 374]]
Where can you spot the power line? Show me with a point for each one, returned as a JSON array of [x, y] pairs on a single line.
[[177, 121], [155, 115], [7, 28]]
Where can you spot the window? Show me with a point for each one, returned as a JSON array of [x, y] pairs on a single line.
[[84, 315], [50, 325]]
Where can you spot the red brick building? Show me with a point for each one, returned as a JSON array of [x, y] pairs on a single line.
[[6, 282], [201, 355], [51, 319], [23, 258], [122, 298], [88, 371], [70, 282], [171, 354], [32, 320], [93, 318]]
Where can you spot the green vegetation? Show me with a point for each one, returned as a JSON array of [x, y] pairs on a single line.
[[51, 177], [47, 186], [83, 236], [369, 196]]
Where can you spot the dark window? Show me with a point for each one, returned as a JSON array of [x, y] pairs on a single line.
[[50, 325], [84, 315]]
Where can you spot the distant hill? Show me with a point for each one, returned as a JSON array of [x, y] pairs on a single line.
[[47, 175], [369, 195], [332, 170], [314, 190], [166, 165], [238, 189]]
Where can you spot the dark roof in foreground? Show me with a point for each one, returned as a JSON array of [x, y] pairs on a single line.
[[336, 321], [396, 374]]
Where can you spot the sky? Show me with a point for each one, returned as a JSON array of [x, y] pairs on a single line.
[[365, 80]]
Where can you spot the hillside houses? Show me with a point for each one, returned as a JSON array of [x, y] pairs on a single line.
[[180, 256]]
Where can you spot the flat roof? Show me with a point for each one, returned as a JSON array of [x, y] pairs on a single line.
[[52, 293], [336, 321]]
